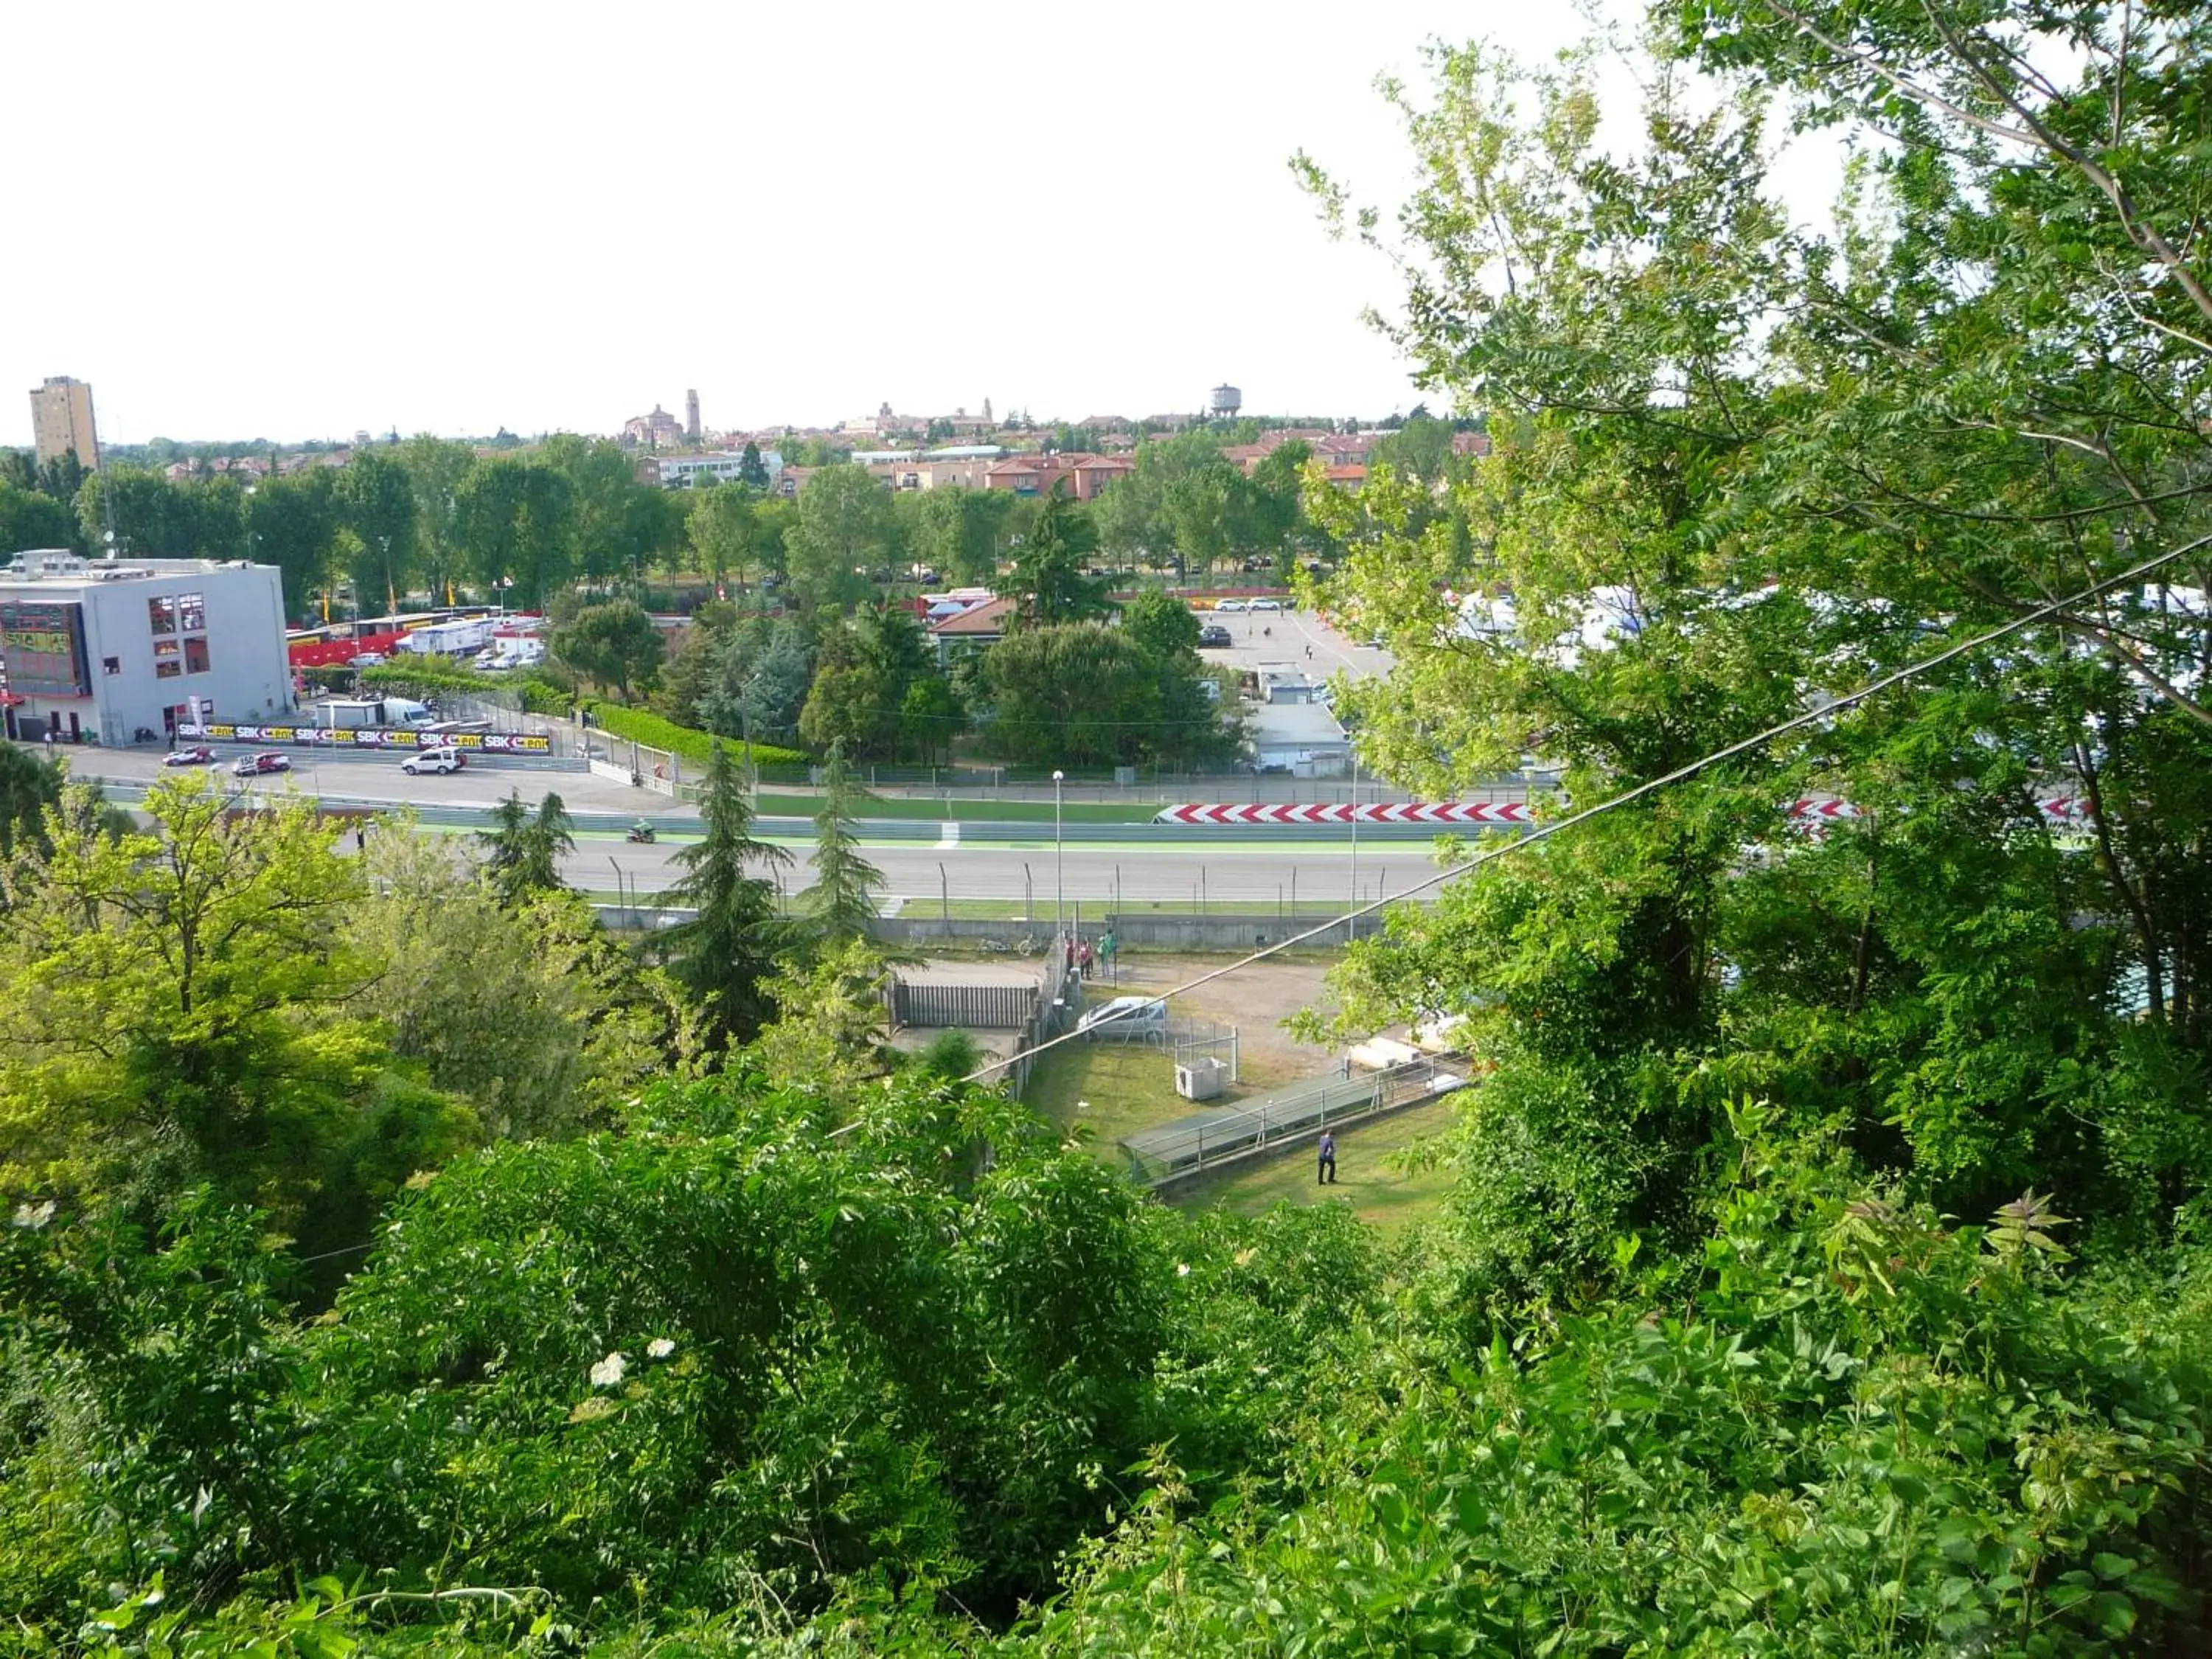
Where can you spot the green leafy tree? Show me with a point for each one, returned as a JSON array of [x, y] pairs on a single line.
[[62, 478], [722, 529], [963, 533], [621, 525], [29, 518], [752, 470], [723, 955], [376, 500], [864, 671], [615, 644], [827, 1037], [515, 522], [841, 532], [294, 524], [155, 1037], [1076, 695], [29, 788], [435, 467], [1047, 580], [528, 1011]]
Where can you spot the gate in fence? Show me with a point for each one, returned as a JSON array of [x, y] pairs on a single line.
[[975, 1007]]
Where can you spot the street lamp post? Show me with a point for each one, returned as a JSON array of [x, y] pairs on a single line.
[[1059, 891], [1355, 844]]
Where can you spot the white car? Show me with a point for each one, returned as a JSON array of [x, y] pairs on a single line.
[[442, 759], [1265, 604], [1220, 605], [1127, 1019]]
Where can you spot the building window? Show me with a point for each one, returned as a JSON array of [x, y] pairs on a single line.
[[191, 612], [166, 663], [162, 615], [196, 656], [112, 665]]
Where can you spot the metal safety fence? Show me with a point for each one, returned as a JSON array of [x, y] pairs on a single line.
[[1205, 1139]]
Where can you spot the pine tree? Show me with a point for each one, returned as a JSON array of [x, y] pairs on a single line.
[[841, 903], [525, 853], [730, 946]]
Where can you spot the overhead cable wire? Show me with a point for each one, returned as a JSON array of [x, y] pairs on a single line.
[[1545, 831]]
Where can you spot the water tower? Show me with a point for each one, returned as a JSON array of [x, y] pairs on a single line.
[[1224, 403]]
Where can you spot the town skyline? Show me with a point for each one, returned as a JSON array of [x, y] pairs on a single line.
[[569, 223]]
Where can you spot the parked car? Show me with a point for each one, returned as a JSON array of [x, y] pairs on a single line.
[[269, 760], [366, 659], [443, 758], [1228, 604], [197, 755], [1212, 634], [1265, 604], [1127, 1019]]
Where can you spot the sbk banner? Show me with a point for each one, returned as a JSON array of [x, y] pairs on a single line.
[[379, 736]]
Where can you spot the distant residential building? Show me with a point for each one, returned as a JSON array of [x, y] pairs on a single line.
[[60, 419], [100, 650], [793, 479], [685, 472], [975, 627], [1081, 476]]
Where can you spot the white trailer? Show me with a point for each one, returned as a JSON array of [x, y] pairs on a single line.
[[449, 638]]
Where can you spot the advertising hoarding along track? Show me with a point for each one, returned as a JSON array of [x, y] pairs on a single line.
[[371, 737]]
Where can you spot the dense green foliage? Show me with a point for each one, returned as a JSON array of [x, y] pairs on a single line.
[[1827, 1265]]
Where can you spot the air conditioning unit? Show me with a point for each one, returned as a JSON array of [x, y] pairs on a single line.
[[1202, 1079]]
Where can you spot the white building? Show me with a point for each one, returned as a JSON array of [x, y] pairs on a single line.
[[1301, 739], [100, 650], [685, 472]]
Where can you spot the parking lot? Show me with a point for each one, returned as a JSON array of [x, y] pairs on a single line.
[[1299, 637]]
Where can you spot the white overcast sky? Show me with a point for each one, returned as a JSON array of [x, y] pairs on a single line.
[[294, 220]]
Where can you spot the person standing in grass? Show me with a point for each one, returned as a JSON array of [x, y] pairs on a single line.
[[1326, 1174]]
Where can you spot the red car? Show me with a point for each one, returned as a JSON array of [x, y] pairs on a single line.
[[200, 755], [267, 761]]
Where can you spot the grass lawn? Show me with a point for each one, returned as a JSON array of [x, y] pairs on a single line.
[[1378, 1195], [1108, 1090]]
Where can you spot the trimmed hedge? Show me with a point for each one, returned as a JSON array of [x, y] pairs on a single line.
[[537, 697], [693, 745]]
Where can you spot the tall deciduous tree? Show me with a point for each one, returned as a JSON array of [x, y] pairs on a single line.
[[842, 531], [613, 644], [376, 502], [722, 528], [515, 520], [294, 525], [435, 467]]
